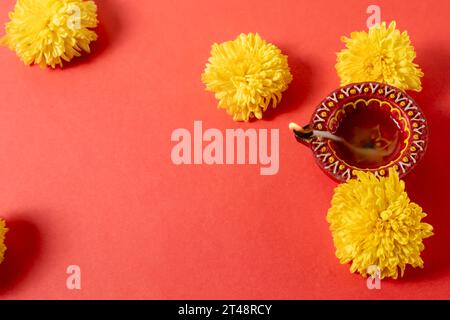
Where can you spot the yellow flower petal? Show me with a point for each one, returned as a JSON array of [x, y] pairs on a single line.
[[382, 55], [45, 32], [3, 231], [246, 75], [373, 222]]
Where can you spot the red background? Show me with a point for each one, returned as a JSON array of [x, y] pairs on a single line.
[[86, 175]]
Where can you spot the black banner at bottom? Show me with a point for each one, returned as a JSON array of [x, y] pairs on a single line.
[[223, 309]]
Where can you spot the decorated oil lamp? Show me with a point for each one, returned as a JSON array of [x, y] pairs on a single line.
[[368, 134], [367, 126]]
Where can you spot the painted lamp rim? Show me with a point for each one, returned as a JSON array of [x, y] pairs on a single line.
[[415, 126]]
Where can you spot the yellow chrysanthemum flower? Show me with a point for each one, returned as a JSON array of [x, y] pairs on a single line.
[[382, 55], [45, 32], [374, 223], [246, 75], [3, 231]]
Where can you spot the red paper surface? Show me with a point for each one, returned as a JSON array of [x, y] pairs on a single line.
[[87, 179]]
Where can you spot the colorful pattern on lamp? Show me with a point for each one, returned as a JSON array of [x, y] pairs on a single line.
[[403, 107]]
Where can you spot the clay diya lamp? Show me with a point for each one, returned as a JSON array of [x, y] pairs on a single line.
[[366, 126]]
